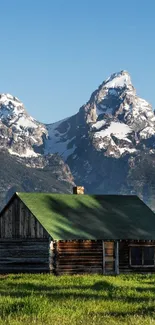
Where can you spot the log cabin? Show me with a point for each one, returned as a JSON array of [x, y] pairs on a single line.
[[76, 234]]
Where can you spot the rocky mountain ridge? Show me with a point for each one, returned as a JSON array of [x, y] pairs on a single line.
[[104, 144], [115, 119]]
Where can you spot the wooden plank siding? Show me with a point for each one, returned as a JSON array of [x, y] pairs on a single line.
[[24, 243], [18, 222]]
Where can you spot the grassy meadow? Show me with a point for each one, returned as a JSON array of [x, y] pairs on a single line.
[[69, 300]]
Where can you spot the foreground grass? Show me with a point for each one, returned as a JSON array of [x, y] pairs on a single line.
[[73, 300]]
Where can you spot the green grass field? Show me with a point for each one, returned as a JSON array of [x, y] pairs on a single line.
[[69, 300]]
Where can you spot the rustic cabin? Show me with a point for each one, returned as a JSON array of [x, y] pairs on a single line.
[[76, 233]]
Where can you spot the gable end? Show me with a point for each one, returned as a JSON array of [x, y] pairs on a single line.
[[17, 221]]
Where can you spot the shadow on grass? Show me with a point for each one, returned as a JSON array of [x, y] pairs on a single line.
[[32, 287], [103, 285], [101, 290], [14, 308], [147, 311]]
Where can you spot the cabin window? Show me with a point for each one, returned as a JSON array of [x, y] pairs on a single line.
[[142, 256]]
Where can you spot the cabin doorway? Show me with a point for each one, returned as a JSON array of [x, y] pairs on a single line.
[[110, 257]]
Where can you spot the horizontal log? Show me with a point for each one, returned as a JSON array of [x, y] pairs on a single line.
[[77, 260], [79, 249], [25, 270], [84, 244], [77, 255], [61, 251], [23, 260], [22, 240], [36, 248], [84, 265], [78, 246], [23, 266], [24, 254], [25, 242], [22, 247], [79, 252], [79, 271], [79, 266]]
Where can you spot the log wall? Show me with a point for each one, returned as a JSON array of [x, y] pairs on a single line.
[[19, 256], [78, 257]]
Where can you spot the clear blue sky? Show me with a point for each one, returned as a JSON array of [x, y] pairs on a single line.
[[53, 54]]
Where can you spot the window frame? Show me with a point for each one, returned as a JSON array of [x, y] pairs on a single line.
[[142, 247]]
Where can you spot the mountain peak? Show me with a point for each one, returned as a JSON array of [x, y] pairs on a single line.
[[6, 98], [20, 133], [118, 80], [10, 106]]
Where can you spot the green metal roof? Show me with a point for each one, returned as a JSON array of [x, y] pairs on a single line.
[[70, 216]]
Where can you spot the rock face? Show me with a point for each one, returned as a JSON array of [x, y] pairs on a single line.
[[109, 145]]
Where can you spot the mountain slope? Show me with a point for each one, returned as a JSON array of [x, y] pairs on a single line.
[[51, 175]]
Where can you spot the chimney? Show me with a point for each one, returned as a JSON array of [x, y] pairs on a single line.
[[78, 190]]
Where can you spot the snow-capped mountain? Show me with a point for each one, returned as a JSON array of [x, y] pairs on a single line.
[[19, 132], [23, 165], [107, 144], [109, 140], [117, 121]]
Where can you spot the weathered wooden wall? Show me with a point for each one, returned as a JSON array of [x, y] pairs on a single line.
[[17, 222], [124, 257], [24, 243], [77, 257], [19, 256]]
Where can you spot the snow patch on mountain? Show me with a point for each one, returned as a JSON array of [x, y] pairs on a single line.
[[26, 123], [27, 153], [10, 107], [118, 80], [147, 132], [98, 125], [128, 150], [119, 130], [58, 141]]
